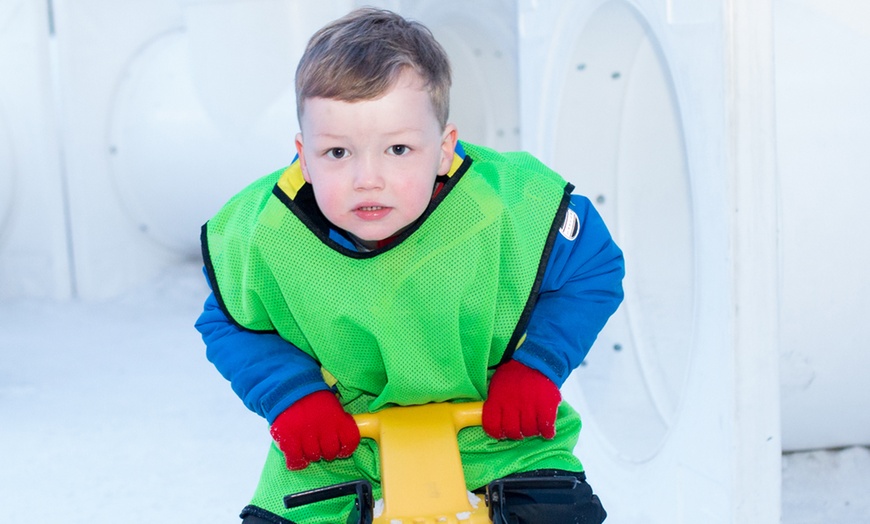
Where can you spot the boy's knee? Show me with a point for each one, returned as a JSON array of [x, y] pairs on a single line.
[[544, 496]]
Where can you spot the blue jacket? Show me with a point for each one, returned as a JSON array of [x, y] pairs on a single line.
[[581, 288]]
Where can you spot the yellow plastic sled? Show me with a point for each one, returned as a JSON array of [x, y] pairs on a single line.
[[421, 471], [423, 482]]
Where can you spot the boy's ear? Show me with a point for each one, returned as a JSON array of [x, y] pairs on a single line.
[[448, 147], [302, 164]]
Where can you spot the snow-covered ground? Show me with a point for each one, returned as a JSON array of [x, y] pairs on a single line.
[[826, 487], [110, 413]]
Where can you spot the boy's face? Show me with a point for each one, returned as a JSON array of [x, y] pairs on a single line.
[[372, 164]]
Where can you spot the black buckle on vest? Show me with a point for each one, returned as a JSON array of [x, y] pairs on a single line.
[[363, 512]]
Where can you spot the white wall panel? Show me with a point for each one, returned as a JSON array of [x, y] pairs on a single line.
[[823, 128], [481, 39], [96, 41], [34, 260], [636, 104], [170, 108]]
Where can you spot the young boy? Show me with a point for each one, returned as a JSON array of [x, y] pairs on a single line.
[[391, 264]]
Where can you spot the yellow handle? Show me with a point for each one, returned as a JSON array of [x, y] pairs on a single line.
[[421, 470], [465, 414]]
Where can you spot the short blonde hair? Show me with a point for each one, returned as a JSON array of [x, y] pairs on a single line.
[[360, 56]]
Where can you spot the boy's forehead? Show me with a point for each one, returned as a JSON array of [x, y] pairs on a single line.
[[342, 121], [405, 107]]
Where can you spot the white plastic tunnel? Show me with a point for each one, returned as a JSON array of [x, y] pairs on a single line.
[[629, 100]]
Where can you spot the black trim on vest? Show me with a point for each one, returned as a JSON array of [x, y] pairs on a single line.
[[304, 206], [523, 322], [215, 288], [261, 515]]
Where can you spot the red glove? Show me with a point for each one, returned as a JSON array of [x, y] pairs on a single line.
[[315, 427], [522, 402]]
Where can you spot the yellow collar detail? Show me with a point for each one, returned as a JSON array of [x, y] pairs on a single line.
[[291, 180]]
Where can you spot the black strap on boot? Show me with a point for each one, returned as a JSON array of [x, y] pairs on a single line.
[[542, 499], [363, 512]]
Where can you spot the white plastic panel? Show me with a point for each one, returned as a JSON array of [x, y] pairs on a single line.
[[823, 130], [168, 153], [481, 40], [171, 107], [96, 39], [627, 100], [33, 243], [618, 138]]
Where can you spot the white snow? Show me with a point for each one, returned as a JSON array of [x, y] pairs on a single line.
[[474, 500], [110, 413], [826, 486]]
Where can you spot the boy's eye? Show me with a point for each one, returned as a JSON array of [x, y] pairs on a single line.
[[337, 152], [398, 150]]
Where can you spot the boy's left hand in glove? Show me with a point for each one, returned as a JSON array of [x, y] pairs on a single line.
[[522, 402]]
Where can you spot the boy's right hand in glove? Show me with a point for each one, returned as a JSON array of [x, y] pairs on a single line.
[[315, 427]]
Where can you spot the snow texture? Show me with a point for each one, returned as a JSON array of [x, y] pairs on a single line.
[[826, 486], [110, 412]]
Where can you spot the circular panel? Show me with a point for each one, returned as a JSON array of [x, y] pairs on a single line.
[[619, 140], [173, 165]]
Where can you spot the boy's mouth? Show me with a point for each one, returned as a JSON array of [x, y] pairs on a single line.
[[371, 211]]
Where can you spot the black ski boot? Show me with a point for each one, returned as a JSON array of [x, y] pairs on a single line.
[[542, 497]]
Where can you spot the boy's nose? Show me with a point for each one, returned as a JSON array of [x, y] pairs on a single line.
[[368, 176]]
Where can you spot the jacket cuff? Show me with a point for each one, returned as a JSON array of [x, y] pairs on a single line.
[[285, 396], [545, 360]]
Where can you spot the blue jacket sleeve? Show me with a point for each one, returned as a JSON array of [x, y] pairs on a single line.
[[266, 372], [581, 289]]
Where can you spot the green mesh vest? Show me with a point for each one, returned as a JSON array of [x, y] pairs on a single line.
[[422, 320]]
